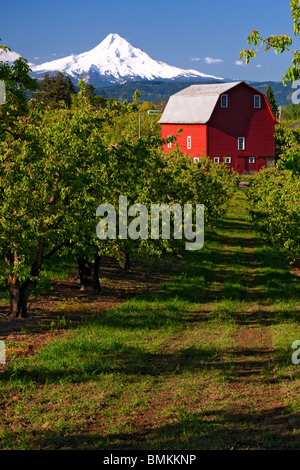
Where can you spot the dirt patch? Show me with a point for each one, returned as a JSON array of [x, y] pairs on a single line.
[[64, 305]]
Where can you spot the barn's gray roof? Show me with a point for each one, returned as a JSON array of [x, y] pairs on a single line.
[[194, 104]]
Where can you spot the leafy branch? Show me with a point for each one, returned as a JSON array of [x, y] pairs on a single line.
[[279, 43]]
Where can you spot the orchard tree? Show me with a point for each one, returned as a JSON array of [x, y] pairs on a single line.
[[46, 171], [90, 93], [136, 97], [124, 124], [86, 182], [275, 208]]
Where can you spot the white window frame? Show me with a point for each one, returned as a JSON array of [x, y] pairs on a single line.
[[196, 159], [224, 104], [257, 105], [216, 159], [169, 145], [189, 142], [243, 143], [227, 160], [252, 160]]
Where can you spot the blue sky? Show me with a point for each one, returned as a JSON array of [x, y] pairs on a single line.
[[203, 35]]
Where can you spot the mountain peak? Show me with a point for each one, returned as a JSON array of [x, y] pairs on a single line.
[[111, 38], [112, 41], [115, 60]]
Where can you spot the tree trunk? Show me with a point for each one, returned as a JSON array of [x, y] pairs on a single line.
[[14, 295], [124, 263], [19, 294], [89, 274]]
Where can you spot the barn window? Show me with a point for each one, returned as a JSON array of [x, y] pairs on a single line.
[[216, 159], [241, 143], [189, 142], [227, 159], [169, 145], [251, 159], [224, 101], [256, 101], [196, 160]]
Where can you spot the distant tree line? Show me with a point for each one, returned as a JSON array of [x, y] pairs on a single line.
[[54, 89]]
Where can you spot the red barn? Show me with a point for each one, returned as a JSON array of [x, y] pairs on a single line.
[[229, 122]]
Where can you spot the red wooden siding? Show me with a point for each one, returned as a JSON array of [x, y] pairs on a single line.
[[241, 119], [198, 133]]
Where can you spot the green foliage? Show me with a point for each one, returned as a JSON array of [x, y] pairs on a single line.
[[4, 48], [124, 124], [275, 208], [88, 90], [136, 97], [15, 113], [278, 43], [55, 89], [271, 100], [287, 145], [47, 168], [60, 323], [291, 112]]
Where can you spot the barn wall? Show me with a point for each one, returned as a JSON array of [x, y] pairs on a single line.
[[241, 119], [242, 165], [198, 135]]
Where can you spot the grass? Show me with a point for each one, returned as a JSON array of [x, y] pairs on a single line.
[[203, 363]]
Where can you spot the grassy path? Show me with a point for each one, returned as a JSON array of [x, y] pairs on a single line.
[[204, 363]]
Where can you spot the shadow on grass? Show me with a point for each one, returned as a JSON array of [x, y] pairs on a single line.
[[216, 430], [78, 363], [211, 430]]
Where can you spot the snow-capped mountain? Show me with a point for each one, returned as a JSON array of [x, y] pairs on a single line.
[[114, 61]]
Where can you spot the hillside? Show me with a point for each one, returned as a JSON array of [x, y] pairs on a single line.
[[161, 91]]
